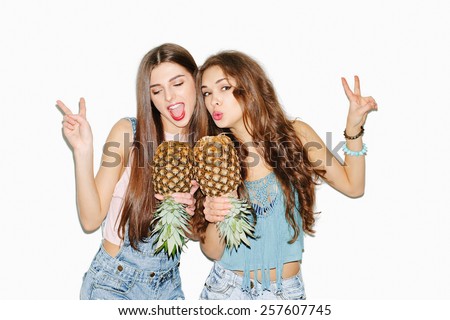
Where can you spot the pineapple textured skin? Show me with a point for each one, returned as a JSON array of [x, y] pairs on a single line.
[[172, 167], [217, 166], [172, 172], [217, 171]]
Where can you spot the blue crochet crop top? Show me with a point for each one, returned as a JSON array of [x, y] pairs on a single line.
[[270, 248]]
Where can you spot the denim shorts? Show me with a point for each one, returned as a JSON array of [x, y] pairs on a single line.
[[223, 284], [132, 275]]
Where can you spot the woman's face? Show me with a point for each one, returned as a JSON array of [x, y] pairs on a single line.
[[217, 90], [172, 90]]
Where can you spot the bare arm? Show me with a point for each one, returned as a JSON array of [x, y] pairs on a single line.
[[114, 159], [215, 210], [348, 178], [213, 246], [94, 194]]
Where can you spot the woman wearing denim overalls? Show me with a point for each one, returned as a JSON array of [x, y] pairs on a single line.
[[120, 198], [282, 160]]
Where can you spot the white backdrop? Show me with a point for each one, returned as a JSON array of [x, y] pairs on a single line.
[[394, 243]]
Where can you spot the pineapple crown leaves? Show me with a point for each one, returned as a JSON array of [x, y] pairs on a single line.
[[218, 172], [236, 227], [172, 172], [171, 225]]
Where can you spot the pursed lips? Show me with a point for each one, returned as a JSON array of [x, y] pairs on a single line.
[[217, 115]]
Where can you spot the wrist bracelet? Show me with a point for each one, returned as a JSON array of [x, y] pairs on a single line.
[[349, 152], [354, 137]]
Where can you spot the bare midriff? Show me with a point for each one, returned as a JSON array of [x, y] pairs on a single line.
[[290, 269]]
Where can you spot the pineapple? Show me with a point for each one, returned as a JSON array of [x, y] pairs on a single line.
[[172, 172], [218, 173]]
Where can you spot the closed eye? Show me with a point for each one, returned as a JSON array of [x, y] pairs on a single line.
[[178, 84]]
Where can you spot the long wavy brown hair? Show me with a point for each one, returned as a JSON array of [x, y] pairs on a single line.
[[139, 202], [272, 133]]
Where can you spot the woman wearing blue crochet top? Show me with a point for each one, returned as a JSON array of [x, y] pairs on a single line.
[[282, 161]]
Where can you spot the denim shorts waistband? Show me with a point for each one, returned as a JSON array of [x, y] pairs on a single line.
[[236, 280]]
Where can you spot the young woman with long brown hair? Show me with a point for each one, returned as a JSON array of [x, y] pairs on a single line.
[[120, 198], [282, 161]]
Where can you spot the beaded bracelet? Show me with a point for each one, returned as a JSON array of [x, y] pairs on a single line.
[[349, 152], [354, 137]]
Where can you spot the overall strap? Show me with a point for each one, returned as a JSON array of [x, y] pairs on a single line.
[[133, 121]]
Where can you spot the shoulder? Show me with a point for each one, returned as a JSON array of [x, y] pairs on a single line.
[[122, 129], [124, 125], [304, 131], [119, 141]]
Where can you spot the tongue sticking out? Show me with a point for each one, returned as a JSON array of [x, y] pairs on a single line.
[[178, 112]]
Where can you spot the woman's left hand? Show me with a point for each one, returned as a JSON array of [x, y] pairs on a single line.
[[184, 198], [359, 106]]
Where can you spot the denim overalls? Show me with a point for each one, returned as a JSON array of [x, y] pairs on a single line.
[[133, 275]]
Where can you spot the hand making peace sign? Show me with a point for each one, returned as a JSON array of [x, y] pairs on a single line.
[[75, 126], [359, 106]]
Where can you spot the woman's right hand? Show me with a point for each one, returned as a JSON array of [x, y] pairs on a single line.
[[75, 126], [216, 208], [186, 198]]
